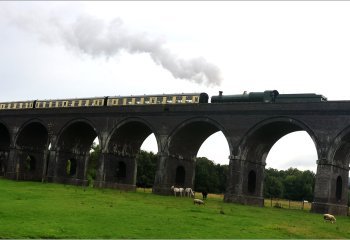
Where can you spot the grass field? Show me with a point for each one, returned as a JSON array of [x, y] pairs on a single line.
[[36, 210]]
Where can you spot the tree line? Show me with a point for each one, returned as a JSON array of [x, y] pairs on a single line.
[[292, 184]]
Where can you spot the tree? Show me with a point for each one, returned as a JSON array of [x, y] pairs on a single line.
[[209, 176], [273, 187], [146, 169], [290, 184], [95, 153]]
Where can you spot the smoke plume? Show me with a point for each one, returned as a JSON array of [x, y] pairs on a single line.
[[98, 38]]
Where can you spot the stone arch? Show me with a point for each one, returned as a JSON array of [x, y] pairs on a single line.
[[122, 147], [31, 150], [248, 164], [5, 143], [72, 148], [138, 130], [338, 160], [339, 153], [258, 141], [81, 124], [196, 131], [184, 143]]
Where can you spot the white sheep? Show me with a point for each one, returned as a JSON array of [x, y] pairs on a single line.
[[198, 201], [177, 190], [189, 192], [329, 217]]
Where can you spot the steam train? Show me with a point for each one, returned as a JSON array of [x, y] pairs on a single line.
[[269, 96]]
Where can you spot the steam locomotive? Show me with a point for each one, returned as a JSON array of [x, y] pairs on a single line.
[[269, 96]]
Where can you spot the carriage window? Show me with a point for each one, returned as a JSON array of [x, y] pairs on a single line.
[[131, 101], [178, 99], [115, 101], [97, 102], [169, 100], [188, 99], [138, 100]]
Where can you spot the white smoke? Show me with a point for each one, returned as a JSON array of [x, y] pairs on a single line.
[[97, 38]]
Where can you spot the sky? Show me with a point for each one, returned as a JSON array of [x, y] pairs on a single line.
[[68, 49]]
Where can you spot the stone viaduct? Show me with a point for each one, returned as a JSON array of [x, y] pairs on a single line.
[[39, 144]]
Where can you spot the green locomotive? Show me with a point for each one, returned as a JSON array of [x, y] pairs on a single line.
[[268, 96]]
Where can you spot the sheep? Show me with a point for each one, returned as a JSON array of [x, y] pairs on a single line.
[[189, 192], [329, 217], [198, 201], [204, 194], [177, 190]]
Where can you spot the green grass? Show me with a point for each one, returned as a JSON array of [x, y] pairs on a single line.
[[36, 210]]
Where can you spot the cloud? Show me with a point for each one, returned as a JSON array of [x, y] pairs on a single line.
[[97, 38]]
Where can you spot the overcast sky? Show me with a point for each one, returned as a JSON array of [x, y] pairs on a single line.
[[84, 49]]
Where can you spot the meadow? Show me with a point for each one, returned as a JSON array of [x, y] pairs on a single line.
[[47, 210]]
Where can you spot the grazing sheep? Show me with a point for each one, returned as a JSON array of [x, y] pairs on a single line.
[[189, 192], [329, 217], [204, 194], [177, 190], [198, 201]]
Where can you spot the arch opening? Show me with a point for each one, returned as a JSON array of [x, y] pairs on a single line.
[[126, 163], [180, 176], [94, 157], [73, 152], [30, 163], [339, 188], [251, 182], [147, 162], [4, 148], [121, 170], [192, 147], [71, 167], [277, 145], [31, 144]]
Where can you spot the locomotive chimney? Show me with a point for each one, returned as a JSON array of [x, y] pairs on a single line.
[[220, 93]]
